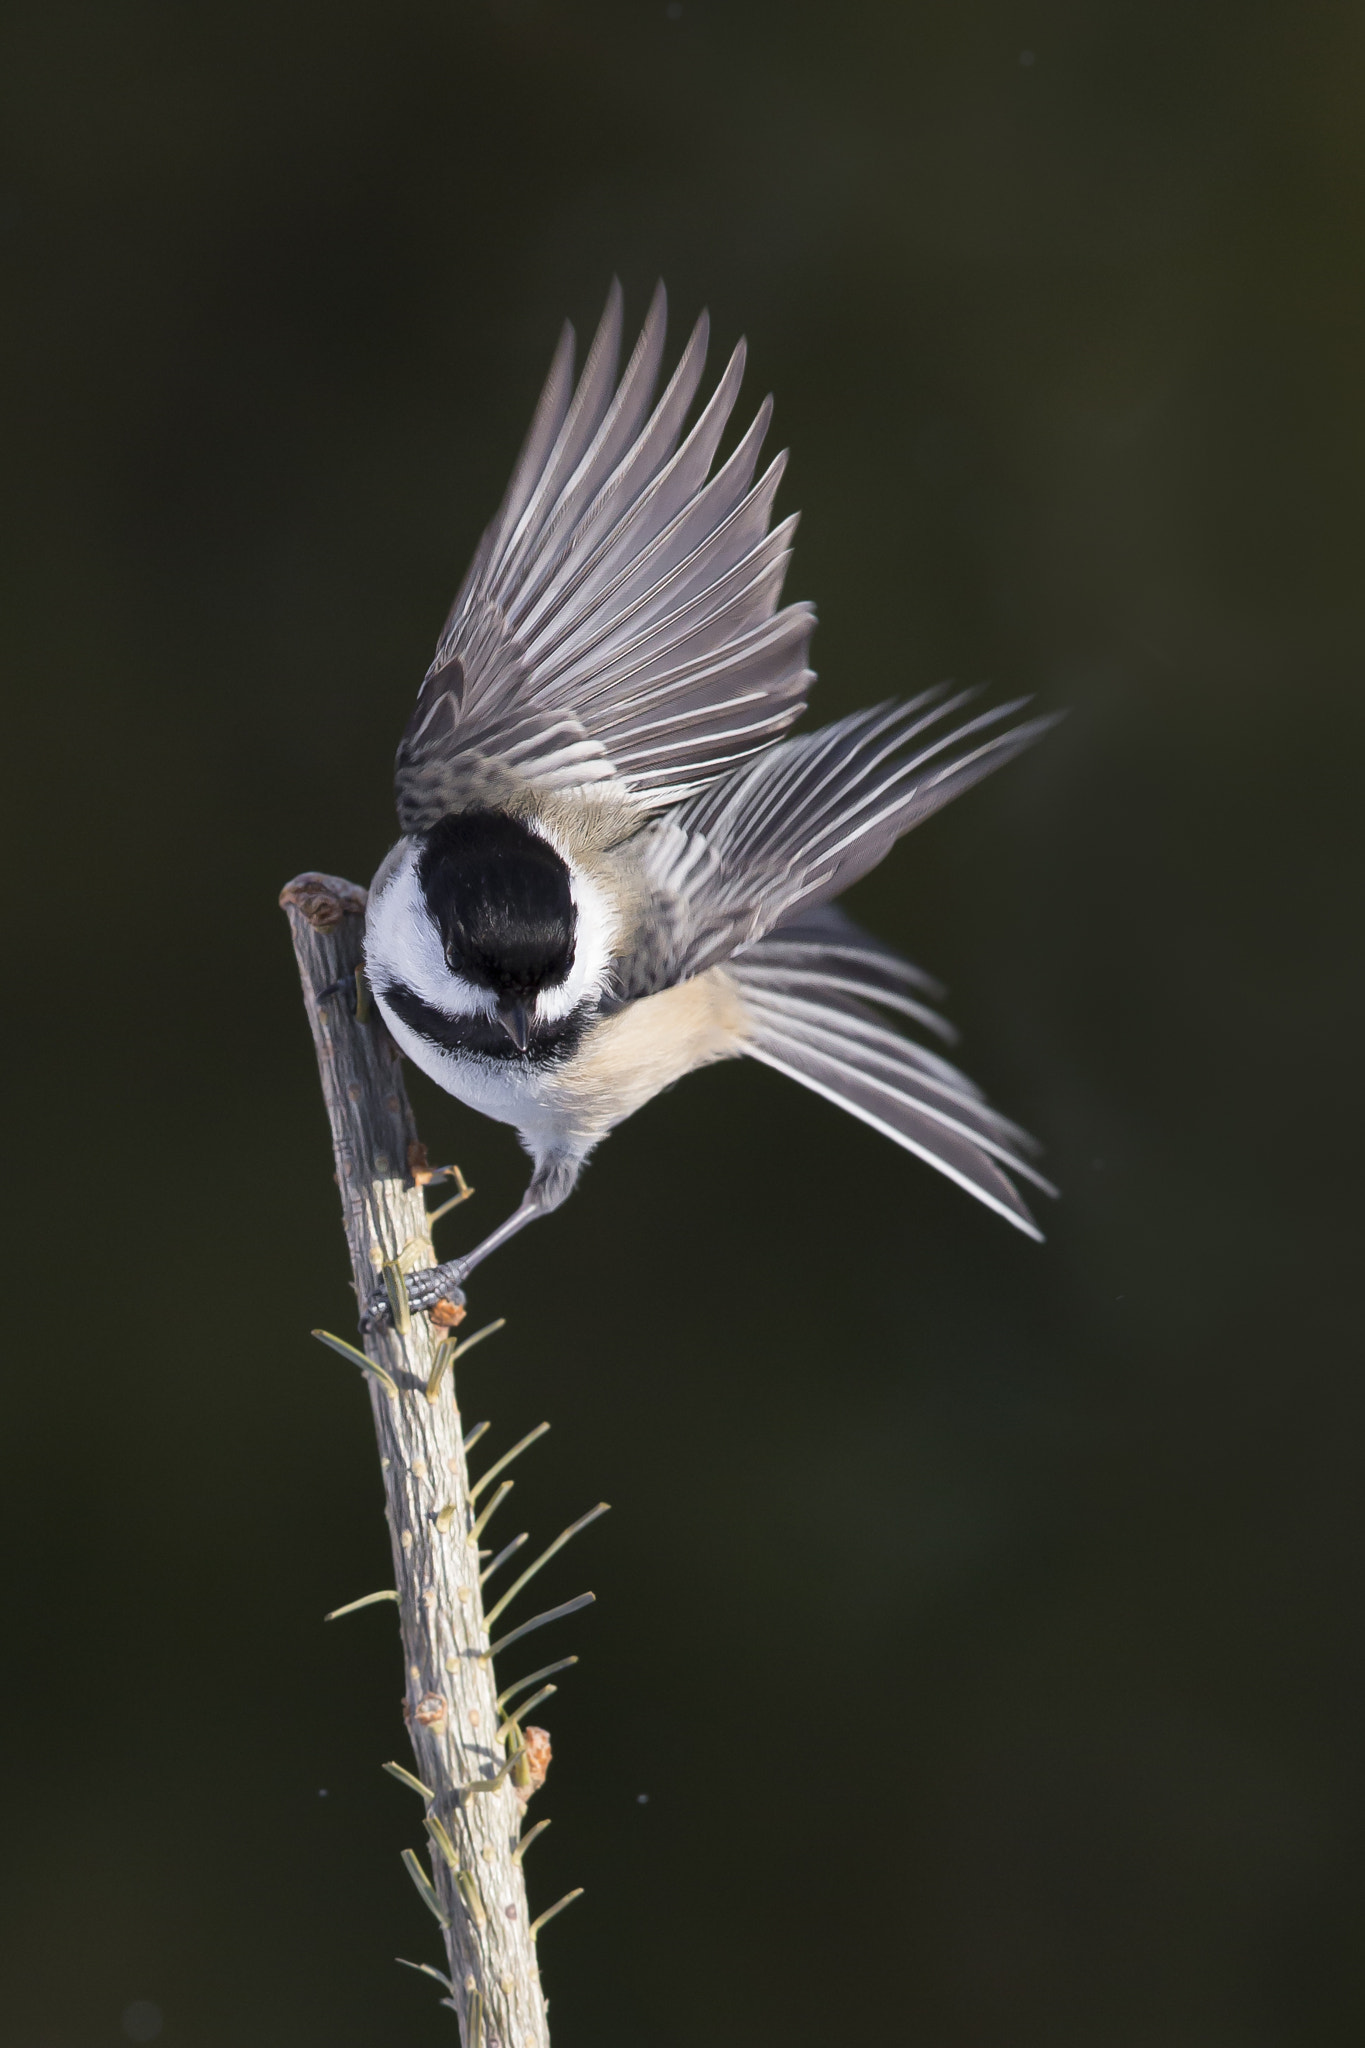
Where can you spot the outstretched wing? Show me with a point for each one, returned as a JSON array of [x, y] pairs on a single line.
[[811, 995], [804, 821], [618, 627]]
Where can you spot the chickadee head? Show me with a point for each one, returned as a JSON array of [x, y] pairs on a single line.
[[501, 899]]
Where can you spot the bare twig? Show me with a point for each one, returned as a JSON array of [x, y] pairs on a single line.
[[474, 1888]]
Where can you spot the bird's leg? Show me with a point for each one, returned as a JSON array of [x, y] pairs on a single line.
[[549, 1186], [459, 1270]]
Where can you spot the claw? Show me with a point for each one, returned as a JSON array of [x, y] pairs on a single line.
[[423, 1291]]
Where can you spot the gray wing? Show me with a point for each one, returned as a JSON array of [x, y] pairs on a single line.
[[618, 628], [804, 821], [812, 992]]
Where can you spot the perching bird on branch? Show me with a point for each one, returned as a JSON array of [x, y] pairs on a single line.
[[614, 866]]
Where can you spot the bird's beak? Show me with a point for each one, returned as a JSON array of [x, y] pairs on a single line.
[[512, 1017]]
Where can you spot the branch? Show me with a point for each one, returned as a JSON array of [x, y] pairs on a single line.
[[475, 1889]]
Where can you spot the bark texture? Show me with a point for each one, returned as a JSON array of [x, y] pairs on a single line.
[[450, 1698]]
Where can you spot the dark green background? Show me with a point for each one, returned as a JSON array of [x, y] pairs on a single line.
[[984, 1622]]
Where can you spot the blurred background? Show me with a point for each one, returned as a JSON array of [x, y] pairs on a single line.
[[978, 1658]]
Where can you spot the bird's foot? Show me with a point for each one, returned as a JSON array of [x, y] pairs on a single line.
[[433, 1291]]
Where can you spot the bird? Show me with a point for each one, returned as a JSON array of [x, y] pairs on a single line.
[[617, 864]]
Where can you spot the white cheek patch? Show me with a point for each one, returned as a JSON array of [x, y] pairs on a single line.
[[402, 943], [594, 942]]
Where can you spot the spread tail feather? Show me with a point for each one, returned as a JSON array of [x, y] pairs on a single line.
[[811, 995]]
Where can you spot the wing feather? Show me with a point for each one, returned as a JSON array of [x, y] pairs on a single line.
[[619, 627], [809, 817], [581, 421]]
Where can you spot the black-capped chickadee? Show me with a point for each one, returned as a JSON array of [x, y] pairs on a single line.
[[614, 868]]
